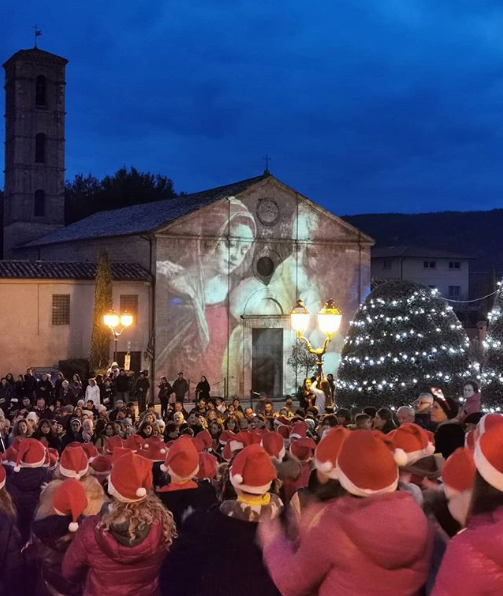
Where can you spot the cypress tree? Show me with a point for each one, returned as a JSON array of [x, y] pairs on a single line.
[[404, 339], [100, 338]]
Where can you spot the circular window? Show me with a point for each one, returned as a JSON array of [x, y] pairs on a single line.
[[265, 267]]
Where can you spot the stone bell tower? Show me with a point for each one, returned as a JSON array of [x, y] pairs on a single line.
[[34, 197]]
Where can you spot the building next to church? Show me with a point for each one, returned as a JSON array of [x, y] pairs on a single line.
[[217, 272]]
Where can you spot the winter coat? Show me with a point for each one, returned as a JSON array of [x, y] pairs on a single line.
[[377, 546], [11, 559], [183, 502], [50, 541], [122, 383], [448, 437], [473, 562], [93, 393], [218, 555], [113, 568], [24, 487], [180, 387]]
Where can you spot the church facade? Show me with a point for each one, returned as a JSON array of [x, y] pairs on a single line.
[[226, 267]]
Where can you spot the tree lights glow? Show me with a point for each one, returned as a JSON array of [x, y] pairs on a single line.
[[404, 338], [492, 372]]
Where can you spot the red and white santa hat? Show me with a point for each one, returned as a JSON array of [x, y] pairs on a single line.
[[252, 470], [31, 454], [3, 476], [119, 452], [412, 443], [101, 466], [283, 431], [89, 449], [366, 464], [207, 466], [73, 463], [240, 441], [154, 452], [135, 442], [70, 499], [303, 449], [225, 437], [10, 455], [488, 456], [299, 430], [203, 441], [274, 445], [51, 458], [182, 459], [327, 451], [488, 422], [458, 472], [112, 443], [131, 478]]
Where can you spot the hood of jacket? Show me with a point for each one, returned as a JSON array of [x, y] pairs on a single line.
[[369, 522], [115, 544]]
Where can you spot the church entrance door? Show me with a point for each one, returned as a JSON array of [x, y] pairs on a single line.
[[267, 362]]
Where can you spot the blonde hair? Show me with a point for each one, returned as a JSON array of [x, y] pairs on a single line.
[[138, 515], [6, 505]]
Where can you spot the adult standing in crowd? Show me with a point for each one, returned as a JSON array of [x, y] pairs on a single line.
[[93, 392], [449, 434], [203, 389], [165, 390], [423, 409], [141, 388], [122, 386], [180, 387]]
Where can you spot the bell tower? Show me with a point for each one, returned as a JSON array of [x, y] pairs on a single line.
[[34, 198]]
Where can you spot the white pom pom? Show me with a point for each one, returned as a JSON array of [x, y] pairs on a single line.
[[73, 527], [400, 457], [324, 466], [17, 468], [162, 451], [238, 479], [77, 476], [146, 446], [164, 468], [141, 492], [430, 449]]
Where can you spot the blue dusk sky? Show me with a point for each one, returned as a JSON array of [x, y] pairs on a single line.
[[364, 105]]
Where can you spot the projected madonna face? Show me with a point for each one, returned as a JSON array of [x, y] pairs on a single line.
[[230, 256]]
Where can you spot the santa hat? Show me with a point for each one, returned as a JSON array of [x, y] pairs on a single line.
[[154, 452], [225, 437], [101, 465], [31, 454], [203, 440], [51, 457], [182, 459], [366, 465], [240, 441], [89, 449], [70, 499], [3, 476], [458, 472], [207, 466], [411, 443], [252, 470], [274, 445], [282, 420], [135, 442], [112, 443], [10, 455], [283, 431], [73, 463], [487, 456], [131, 478], [327, 451], [299, 430], [488, 422], [119, 452], [303, 449]]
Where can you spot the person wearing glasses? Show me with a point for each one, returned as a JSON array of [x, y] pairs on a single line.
[[423, 408]]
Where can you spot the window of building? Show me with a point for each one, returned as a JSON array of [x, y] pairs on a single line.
[[39, 205], [454, 291], [61, 309], [429, 264], [40, 148], [386, 264], [40, 91], [454, 265], [129, 303]]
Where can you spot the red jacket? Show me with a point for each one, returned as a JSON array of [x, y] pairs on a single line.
[[376, 546], [113, 569], [473, 561]]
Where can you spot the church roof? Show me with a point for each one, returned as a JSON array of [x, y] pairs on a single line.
[[38, 55], [57, 270], [419, 252], [143, 218]]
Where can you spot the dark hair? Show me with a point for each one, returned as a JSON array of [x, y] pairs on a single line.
[[371, 411], [327, 491], [171, 427], [474, 384], [344, 413], [330, 419], [385, 414], [485, 498], [361, 418], [38, 433]]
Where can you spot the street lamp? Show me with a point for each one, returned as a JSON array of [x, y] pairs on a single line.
[[117, 324], [329, 321]]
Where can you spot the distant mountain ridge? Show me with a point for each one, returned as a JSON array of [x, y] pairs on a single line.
[[475, 233]]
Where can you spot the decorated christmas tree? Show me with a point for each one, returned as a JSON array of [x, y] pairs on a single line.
[[404, 339], [492, 371]]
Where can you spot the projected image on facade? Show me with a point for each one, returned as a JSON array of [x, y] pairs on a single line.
[[226, 282]]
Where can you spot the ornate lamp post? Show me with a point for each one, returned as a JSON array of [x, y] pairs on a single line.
[[329, 321], [117, 324]]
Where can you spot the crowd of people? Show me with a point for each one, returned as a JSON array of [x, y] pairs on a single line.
[[116, 489]]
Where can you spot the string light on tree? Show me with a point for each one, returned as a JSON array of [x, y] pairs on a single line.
[[404, 338], [492, 370]]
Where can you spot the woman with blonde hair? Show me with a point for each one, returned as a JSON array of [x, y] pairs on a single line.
[[122, 549]]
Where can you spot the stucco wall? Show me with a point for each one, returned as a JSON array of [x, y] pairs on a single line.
[[28, 337]]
